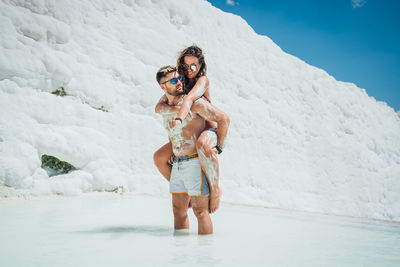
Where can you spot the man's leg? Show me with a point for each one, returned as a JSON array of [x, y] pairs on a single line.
[[209, 164], [180, 204], [200, 209], [161, 157]]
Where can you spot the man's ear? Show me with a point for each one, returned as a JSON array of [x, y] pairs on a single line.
[[163, 88]]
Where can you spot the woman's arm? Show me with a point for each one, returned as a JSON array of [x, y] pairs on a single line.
[[163, 107], [197, 91]]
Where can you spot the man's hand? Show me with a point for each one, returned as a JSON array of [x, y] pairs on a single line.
[[173, 123]]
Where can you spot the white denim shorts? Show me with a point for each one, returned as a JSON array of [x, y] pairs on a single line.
[[187, 177]]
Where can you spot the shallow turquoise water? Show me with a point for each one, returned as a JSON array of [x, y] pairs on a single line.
[[132, 230]]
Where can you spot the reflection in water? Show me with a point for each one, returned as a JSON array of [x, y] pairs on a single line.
[[208, 253], [181, 232], [138, 229], [193, 249], [205, 240]]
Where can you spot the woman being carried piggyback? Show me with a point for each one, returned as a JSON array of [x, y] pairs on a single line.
[[193, 68]]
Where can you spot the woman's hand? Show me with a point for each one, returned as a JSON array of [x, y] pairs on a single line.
[[171, 160]]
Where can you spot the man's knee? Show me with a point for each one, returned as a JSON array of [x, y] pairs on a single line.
[[179, 210], [200, 212]]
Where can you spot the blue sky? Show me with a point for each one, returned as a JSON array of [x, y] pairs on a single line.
[[355, 41]]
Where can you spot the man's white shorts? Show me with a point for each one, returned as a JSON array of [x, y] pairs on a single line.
[[187, 177]]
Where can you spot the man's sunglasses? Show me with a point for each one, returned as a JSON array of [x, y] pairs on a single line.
[[192, 66], [174, 80]]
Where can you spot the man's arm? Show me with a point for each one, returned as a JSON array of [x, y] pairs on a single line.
[[212, 113], [162, 106]]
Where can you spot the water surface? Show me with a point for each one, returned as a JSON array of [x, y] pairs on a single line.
[[132, 230]]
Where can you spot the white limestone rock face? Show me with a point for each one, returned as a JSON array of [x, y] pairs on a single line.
[[298, 138]]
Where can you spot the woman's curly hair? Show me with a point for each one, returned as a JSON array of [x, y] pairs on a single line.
[[194, 51]]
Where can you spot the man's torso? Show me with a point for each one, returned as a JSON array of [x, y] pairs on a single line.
[[183, 137]]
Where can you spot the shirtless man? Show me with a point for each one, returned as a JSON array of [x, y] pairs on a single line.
[[188, 181]]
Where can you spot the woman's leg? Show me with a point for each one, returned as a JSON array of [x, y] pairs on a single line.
[[161, 158], [209, 164]]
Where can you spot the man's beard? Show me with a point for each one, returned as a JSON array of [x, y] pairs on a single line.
[[175, 91]]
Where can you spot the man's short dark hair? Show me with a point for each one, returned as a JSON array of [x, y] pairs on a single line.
[[164, 71]]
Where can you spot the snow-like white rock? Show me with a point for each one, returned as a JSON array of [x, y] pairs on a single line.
[[298, 138]]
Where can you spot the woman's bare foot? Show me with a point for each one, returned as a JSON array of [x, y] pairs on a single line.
[[215, 198]]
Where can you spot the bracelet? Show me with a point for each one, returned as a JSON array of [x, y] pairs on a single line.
[[178, 119], [219, 149]]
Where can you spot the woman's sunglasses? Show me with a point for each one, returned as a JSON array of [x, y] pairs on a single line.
[[174, 80], [192, 66]]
